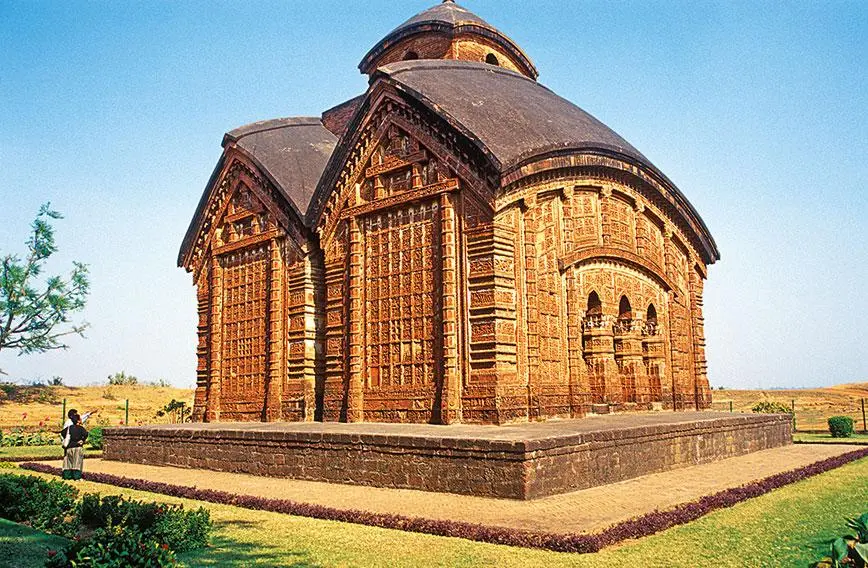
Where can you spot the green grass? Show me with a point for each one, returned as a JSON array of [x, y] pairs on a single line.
[[787, 527], [40, 451], [803, 437], [23, 547]]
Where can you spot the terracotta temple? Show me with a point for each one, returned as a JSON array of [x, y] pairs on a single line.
[[458, 244]]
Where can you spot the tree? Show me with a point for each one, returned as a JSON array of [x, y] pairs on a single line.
[[35, 313]]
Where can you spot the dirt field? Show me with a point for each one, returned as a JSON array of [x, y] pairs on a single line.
[[45, 404], [813, 406]]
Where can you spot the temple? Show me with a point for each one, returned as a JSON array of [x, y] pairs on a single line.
[[458, 244]]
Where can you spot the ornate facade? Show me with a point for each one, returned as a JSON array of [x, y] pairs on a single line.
[[458, 244]]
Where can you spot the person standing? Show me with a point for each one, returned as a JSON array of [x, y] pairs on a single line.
[[74, 437]]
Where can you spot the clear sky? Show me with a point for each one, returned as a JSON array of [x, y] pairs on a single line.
[[758, 111]]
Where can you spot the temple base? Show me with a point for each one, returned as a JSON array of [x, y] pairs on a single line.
[[520, 461]]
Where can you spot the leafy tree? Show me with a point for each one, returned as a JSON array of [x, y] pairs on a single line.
[[35, 314]]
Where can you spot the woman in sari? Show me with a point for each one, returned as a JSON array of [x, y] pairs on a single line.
[[73, 451]]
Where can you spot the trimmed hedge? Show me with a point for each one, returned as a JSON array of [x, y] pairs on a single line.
[[637, 527], [841, 426]]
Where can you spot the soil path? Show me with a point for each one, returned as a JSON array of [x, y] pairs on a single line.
[[588, 510]]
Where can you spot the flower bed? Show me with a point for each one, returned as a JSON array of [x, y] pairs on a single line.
[[644, 525]]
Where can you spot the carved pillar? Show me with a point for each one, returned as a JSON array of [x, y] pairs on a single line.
[[654, 358], [700, 366], [510, 399], [672, 398], [451, 373], [334, 385], [356, 360], [203, 361], [628, 356], [212, 411], [276, 339], [599, 351], [531, 297], [313, 316], [580, 388]]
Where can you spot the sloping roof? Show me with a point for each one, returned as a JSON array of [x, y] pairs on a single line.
[[451, 18], [293, 151], [514, 117]]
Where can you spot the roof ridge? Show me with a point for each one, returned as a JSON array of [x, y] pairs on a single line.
[[267, 125]]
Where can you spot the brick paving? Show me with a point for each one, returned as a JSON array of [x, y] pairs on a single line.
[[588, 510]]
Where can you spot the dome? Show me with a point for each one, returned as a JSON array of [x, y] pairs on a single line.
[[448, 31]]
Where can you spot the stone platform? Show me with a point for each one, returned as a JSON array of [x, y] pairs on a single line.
[[521, 461]]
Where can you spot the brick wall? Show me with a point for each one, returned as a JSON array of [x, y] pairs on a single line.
[[509, 468]]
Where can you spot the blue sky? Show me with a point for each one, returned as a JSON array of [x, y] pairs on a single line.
[[758, 111]]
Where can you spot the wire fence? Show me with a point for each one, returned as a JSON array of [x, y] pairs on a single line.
[[810, 414]]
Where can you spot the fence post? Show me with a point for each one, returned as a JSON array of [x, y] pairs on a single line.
[[127, 417], [63, 414], [730, 407], [793, 402], [864, 429]]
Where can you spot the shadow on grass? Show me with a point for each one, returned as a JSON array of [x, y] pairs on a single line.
[[23, 547], [228, 551]]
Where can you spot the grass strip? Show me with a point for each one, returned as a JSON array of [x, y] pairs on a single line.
[[637, 527]]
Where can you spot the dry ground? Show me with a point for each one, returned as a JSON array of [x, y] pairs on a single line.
[[813, 406], [45, 404]]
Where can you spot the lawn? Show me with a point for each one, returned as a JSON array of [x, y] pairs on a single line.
[[40, 451], [23, 547], [860, 439], [790, 526]]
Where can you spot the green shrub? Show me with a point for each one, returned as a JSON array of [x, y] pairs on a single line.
[[94, 438], [841, 426], [769, 407], [121, 547], [40, 503], [18, 437], [170, 524]]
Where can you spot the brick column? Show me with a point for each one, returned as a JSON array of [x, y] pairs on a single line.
[[275, 328], [451, 395], [355, 391], [212, 410], [203, 360]]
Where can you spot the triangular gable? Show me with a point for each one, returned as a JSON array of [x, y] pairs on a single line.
[[392, 153], [241, 208]]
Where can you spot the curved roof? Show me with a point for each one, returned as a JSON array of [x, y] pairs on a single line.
[[513, 117], [291, 152], [515, 120], [451, 18]]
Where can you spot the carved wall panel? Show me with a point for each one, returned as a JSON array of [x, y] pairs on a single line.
[[618, 223], [402, 308], [245, 319]]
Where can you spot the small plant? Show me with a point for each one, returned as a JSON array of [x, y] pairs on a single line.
[[94, 438], [841, 426], [177, 411], [114, 546], [122, 379], [769, 407], [56, 381], [40, 503]]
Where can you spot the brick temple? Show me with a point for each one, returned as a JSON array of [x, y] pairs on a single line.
[[458, 244]]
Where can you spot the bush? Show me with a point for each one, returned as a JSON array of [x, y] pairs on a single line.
[[116, 546], [768, 407], [841, 426], [122, 379], [40, 503], [94, 438], [169, 524]]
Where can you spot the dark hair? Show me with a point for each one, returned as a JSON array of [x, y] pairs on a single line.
[[72, 412]]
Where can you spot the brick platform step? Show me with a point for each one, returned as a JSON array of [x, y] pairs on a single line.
[[521, 461]]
